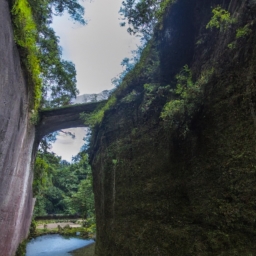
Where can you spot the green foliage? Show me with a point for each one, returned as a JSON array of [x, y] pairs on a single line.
[[49, 76], [61, 187], [21, 251], [44, 9], [32, 229], [232, 45], [128, 64], [143, 15], [243, 32], [240, 32], [186, 90], [130, 97], [59, 76], [41, 174], [149, 88], [34, 117], [97, 116], [172, 109], [149, 95], [147, 67], [221, 19], [153, 92], [82, 201], [114, 161], [26, 37], [187, 96]]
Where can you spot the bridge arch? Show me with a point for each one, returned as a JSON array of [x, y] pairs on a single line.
[[62, 118]]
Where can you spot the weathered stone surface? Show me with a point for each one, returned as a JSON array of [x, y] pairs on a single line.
[[16, 143], [63, 118], [17, 139]]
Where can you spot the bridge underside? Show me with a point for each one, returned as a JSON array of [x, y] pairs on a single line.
[[63, 118]]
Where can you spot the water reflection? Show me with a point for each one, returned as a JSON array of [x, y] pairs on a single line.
[[55, 245]]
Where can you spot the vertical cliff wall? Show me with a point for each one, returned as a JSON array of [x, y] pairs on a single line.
[[19, 139], [16, 142], [187, 186]]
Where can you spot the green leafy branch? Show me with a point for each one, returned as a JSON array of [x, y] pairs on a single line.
[[143, 15], [221, 19], [187, 96]]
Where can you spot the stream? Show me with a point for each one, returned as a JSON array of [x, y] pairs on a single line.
[[55, 245]]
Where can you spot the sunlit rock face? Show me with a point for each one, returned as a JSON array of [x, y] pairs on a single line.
[[16, 143]]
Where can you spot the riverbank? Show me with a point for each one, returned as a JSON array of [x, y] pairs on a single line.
[[81, 228], [58, 224]]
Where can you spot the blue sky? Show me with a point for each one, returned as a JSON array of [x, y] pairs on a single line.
[[97, 50]]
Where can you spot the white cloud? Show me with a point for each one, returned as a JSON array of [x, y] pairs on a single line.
[[66, 147], [97, 50]]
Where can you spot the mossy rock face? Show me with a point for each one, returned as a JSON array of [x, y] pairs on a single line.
[[21, 250], [189, 188]]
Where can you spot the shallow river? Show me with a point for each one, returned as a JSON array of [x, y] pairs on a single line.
[[55, 245]]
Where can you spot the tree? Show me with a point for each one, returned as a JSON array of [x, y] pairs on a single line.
[[63, 187], [59, 76], [143, 15]]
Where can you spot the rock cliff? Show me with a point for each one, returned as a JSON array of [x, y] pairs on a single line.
[[178, 186], [16, 142], [19, 139], [184, 186]]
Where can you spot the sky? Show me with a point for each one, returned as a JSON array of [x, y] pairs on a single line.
[[97, 50]]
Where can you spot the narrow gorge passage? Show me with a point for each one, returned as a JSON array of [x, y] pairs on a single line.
[[173, 154]]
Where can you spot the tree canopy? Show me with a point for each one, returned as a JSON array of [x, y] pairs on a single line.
[[59, 76], [53, 79], [143, 15], [62, 187]]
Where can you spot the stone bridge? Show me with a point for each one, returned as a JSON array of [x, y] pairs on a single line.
[[62, 118]]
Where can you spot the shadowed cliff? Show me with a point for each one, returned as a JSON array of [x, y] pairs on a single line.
[[174, 159]]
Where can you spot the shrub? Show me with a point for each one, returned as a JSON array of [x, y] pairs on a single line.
[[221, 19], [242, 32], [187, 96]]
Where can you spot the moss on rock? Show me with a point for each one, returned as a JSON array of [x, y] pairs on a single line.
[[184, 187]]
